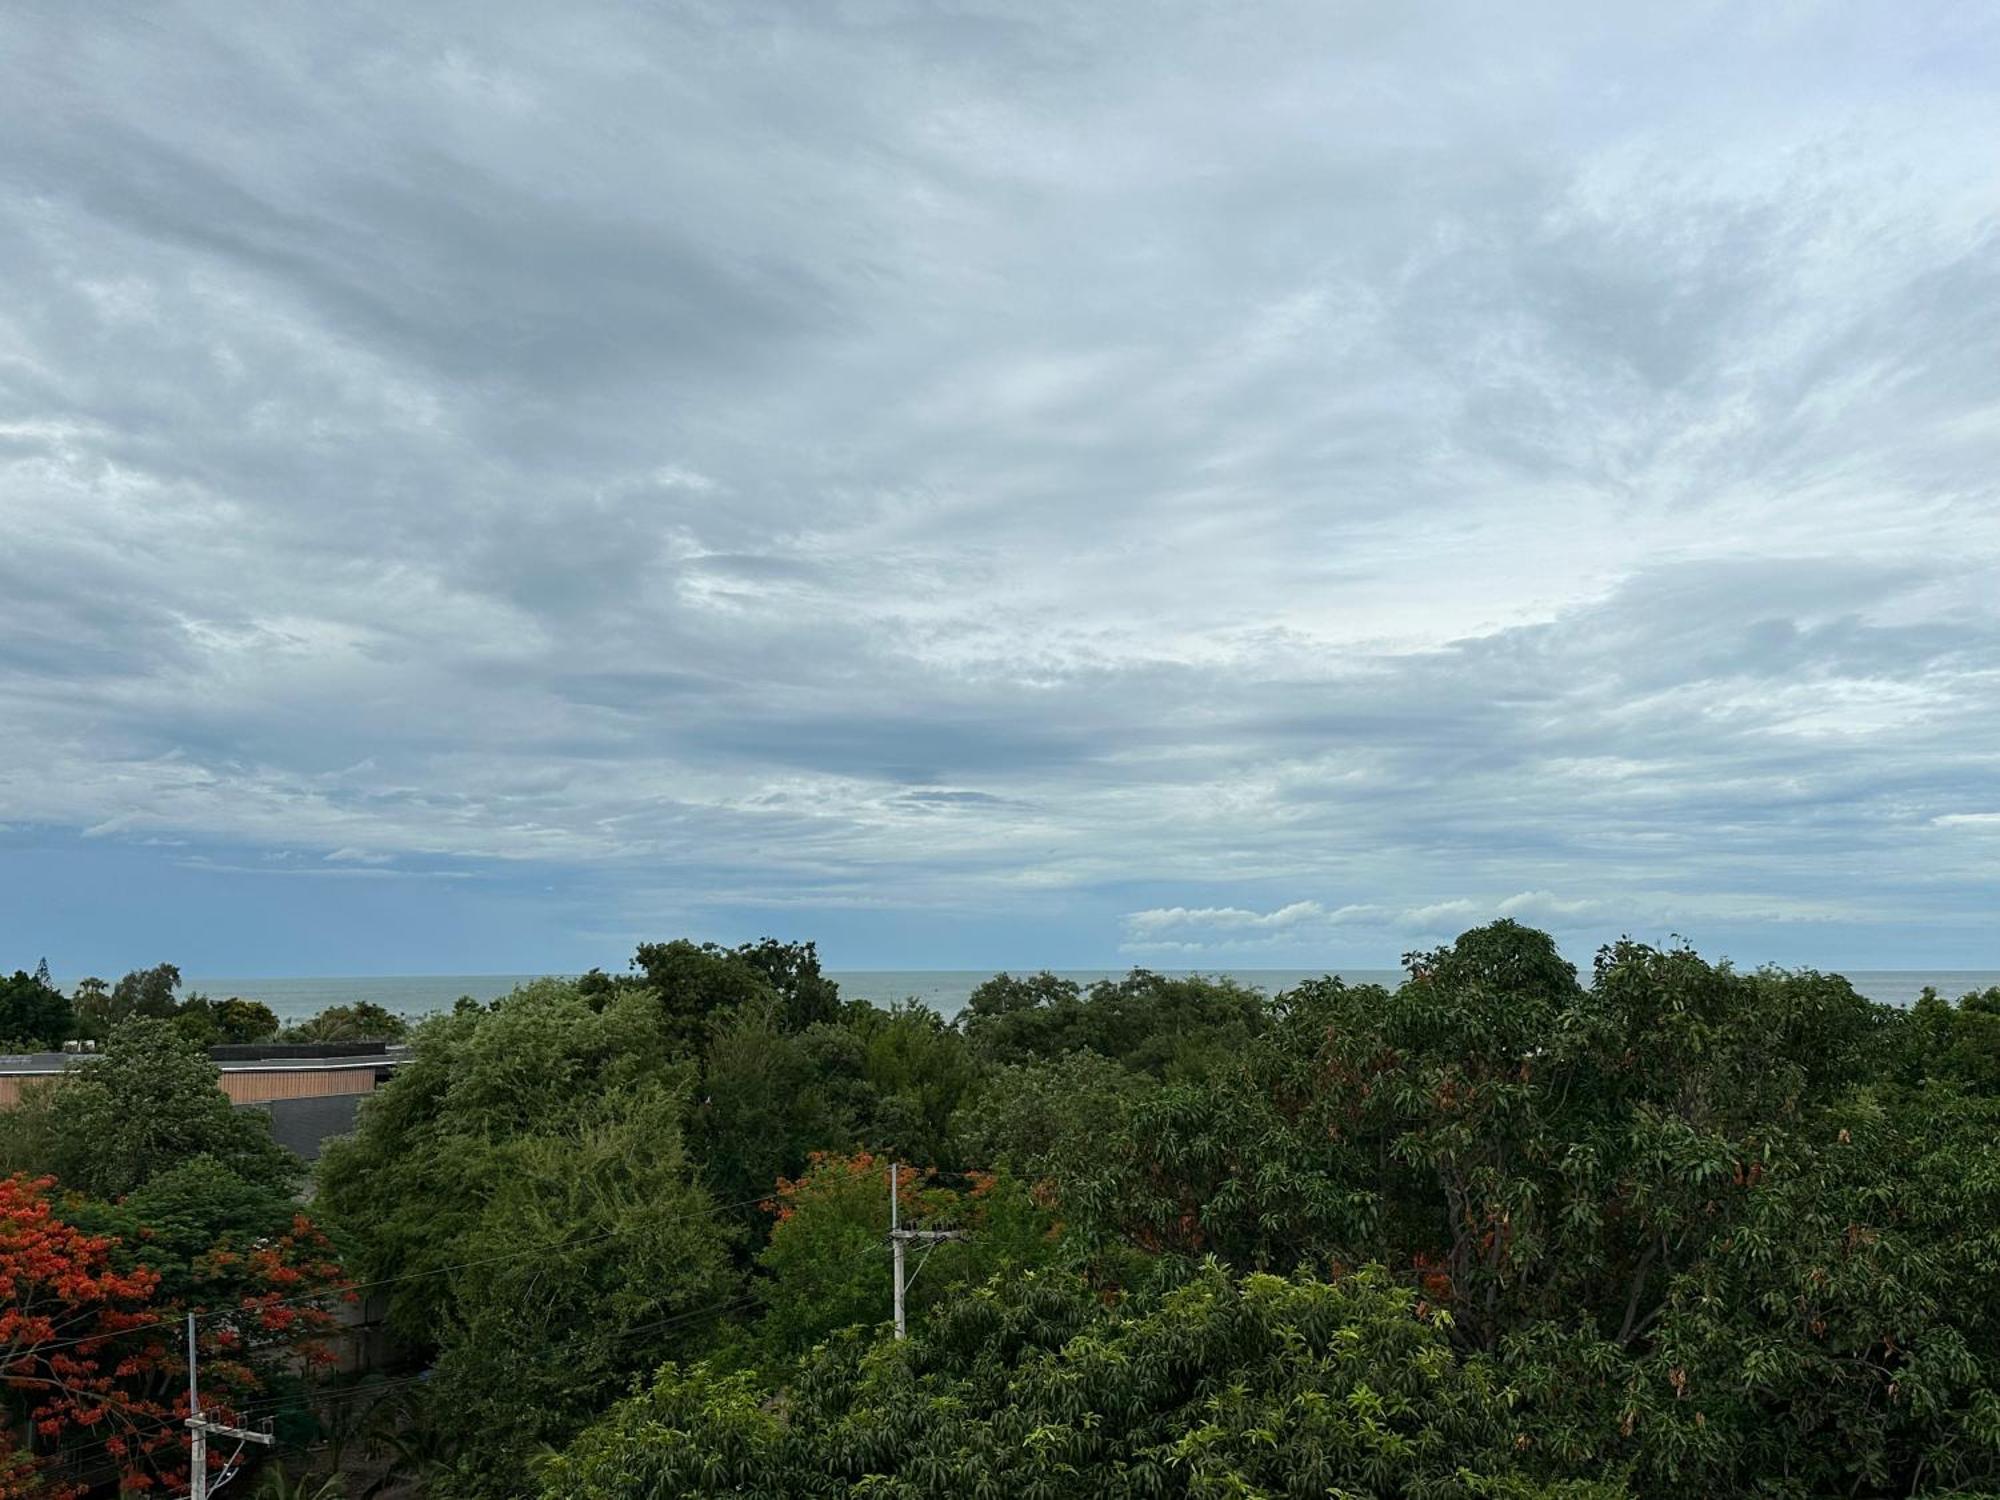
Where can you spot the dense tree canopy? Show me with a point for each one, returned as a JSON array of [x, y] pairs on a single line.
[[34, 1014], [147, 1104], [1034, 1386], [93, 1370], [1151, 1023], [1500, 1229], [209, 1023], [146, 992], [1660, 1229]]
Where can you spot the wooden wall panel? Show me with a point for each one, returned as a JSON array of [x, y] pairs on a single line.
[[249, 1086], [243, 1085]]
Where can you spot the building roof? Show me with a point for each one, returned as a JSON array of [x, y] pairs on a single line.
[[42, 1064]]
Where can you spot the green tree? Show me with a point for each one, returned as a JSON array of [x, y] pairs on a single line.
[[1150, 1022], [1959, 1042], [824, 1268], [92, 1003], [360, 1020], [146, 992], [629, 1259], [184, 1214], [916, 1070], [239, 1021], [1647, 1198], [693, 1433], [696, 982], [112, 1123], [806, 995], [1055, 1120], [33, 1013], [1034, 1386], [522, 1179], [760, 1107], [1664, 1228]]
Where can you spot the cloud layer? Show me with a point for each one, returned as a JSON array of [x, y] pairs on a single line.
[[1150, 480]]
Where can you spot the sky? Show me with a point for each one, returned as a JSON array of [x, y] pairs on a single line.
[[1194, 485]]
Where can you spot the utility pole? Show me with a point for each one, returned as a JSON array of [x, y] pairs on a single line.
[[200, 1430], [198, 1441], [898, 1238]]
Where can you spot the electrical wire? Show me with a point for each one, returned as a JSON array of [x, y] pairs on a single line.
[[928, 1253], [284, 1406]]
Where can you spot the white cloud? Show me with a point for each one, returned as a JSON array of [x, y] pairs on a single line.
[[1224, 918], [1014, 465], [1546, 906]]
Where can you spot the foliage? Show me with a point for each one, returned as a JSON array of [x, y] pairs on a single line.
[[150, 1102], [824, 1266], [146, 992], [695, 982], [92, 1007], [792, 970], [693, 1433], [202, 1230], [1034, 1386], [889, 1081], [413, 1185], [67, 1353], [1663, 1228], [91, 1351], [359, 1020], [1150, 1022], [34, 1014], [759, 1108], [278, 1483], [538, 1345], [211, 1023], [152, 994], [914, 1072], [523, 1180], [1960, 1042], [1641, 1188], [1051, 1120]]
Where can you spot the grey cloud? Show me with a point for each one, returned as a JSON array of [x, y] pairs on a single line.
[[1362, 462]]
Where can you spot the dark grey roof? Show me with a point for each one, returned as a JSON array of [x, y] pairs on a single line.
[[231, 1052], [36, 1062], [55, 1062]]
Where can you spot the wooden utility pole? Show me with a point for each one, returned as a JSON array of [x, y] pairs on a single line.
[[899, 1237]]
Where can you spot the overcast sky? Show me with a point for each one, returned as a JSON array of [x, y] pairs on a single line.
[[1195, 485]]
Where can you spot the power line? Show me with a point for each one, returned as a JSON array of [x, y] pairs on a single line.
[[140, 1432], [201, 1429], [281, 1406]]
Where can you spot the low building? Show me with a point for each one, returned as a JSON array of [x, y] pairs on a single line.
[[311, 1091]]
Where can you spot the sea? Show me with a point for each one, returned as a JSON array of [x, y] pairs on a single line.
[[943, 990]]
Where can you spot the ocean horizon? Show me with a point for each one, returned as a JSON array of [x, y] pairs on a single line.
[[294, 998]]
